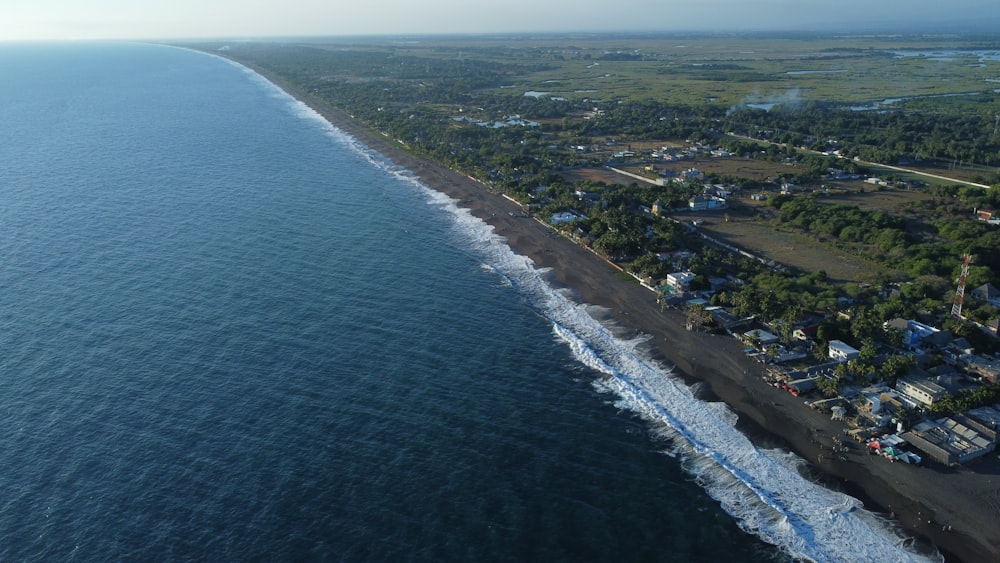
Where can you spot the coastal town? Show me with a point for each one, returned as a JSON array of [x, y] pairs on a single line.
[[858, 273], [907, 390]]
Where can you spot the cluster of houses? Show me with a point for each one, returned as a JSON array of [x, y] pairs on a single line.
[[507, 121], [949, 440]]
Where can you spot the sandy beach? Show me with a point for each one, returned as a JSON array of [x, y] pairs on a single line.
[[955, 508]]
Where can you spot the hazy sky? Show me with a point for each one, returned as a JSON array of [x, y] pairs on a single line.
[[154, 19]]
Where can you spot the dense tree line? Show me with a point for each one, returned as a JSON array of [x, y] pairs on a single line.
[[887, 136]]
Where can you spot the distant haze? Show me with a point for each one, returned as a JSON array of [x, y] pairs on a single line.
[[161, 19]]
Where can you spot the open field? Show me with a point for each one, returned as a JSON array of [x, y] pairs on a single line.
[[797, 250], [751, 169], [592, 174], [729, 70], [889, 200]]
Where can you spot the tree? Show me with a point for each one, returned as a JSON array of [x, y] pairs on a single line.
[[896, 366], [868, 351], [772, 352], [830, 386]]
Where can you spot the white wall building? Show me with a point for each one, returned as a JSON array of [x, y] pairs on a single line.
[[841, 352], [920, 389], [680, 280]]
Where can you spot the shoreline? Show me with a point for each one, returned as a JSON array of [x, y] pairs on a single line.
[[924, 500]]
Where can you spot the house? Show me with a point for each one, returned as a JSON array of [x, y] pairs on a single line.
[[987, 368], [921, 389], [701, 203], [806, 333], [766, 338], [914, 333], [939, 340], [986, 293], [680, 281], [801, 386], [718, 190], [988, 217], [841, 352], [961, 346], [726, 319], [693, 174], [565, 217]]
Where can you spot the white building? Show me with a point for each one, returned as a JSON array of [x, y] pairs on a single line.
[[841, 352], [920, 389], [680, 280], [764, 337]]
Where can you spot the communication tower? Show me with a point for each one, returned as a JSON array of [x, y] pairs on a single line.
[[956, 308]]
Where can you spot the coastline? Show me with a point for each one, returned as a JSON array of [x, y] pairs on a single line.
[[925, 500]]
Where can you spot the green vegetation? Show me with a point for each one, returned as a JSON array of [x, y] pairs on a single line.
[[967, 399], [540, 118]]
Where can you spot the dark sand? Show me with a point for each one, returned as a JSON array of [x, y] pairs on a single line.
[[923, 499]]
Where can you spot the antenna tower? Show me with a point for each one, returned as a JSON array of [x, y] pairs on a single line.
[[956, 308]]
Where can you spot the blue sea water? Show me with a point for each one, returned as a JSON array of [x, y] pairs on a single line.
[[228, 332]]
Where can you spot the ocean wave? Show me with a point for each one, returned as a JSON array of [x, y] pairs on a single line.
[[762, 489]]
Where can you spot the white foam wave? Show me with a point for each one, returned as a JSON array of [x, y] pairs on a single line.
[[761, 489]]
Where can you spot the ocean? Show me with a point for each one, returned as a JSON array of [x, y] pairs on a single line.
[[230, 332]]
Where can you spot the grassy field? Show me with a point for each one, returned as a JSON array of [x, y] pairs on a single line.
[[797, 250], [887, 200], [732, 69]]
